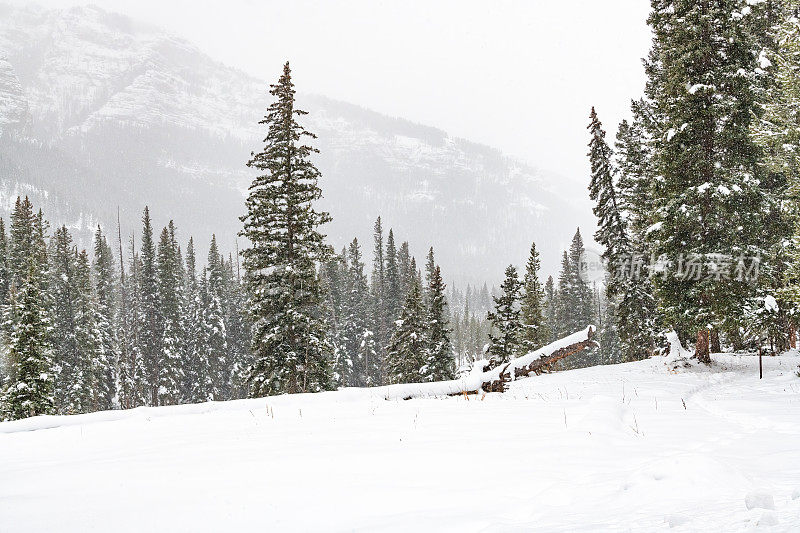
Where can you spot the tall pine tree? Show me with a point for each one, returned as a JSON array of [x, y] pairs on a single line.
[[505, 341], [407, 354], [535, 333], [290, 347]]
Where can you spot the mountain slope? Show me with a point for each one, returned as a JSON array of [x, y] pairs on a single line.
[[98, 110]]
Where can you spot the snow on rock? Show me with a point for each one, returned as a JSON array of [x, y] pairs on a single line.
[[768, 518], [759, 500]]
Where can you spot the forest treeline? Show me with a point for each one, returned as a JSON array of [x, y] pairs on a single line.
[[697, 208]]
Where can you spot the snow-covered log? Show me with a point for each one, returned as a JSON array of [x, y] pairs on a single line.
[[495, 380]]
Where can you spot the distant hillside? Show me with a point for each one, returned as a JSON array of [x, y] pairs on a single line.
[[98, 110]]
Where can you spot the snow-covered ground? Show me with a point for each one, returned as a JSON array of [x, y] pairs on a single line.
[[631, 446]]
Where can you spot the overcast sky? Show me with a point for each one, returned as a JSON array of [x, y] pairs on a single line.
[[520, 76]]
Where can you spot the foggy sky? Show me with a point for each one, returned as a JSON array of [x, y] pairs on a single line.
[[520, 76]]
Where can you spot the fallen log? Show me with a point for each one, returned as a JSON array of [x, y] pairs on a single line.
[[496, 379], [537, 366]]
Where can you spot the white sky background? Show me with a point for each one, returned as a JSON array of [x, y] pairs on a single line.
[[520, 76]]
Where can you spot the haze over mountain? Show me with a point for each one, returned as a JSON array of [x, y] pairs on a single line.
[[99, 111]]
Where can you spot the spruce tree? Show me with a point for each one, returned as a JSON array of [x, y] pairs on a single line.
[[535, 332], [214, 319], [94, 367], [430, 267], [170, 371], [407, 272], [612, 230], [106, 292], [71, 373], [21, 242], [407, 353], [290, 347], [133, 385], [333, 280], [611, 348], [584, 310], [30, 388], [633, 162], [359, 345], [237, 330], [627, 288], [393, 281], [3, 263], [778, 135], [151, 333], [551, 309], [566, 301], [381, 323], [441, 363], [202, 367], [505, 340], [190, 318], [713, 201]]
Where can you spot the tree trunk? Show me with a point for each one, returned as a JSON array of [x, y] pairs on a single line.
[[701, 347], [715, 344], [792, 337]]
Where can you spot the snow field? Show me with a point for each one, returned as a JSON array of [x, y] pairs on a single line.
[[600, 449]]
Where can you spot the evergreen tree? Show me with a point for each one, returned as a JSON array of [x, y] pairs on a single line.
[[30, 388], [3, 263], [393, 281], [333, 279], [612, 230], [214, 319], [202, 367], [441, 363], [151, 333], [133, 385], [535, 333], [778, 135], [359, 345], [237, 331], [551, 309], [505, 340], [290, 347], [72, 380], [628, 289], [94, 367], [407, 272], [407, 354], [565, 302], [169, 373], [191, 319], [105, 289], [381, 323], [714, 203], [635, 182], [611, 348], [584, 310], [430, 267], [22, 234]]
